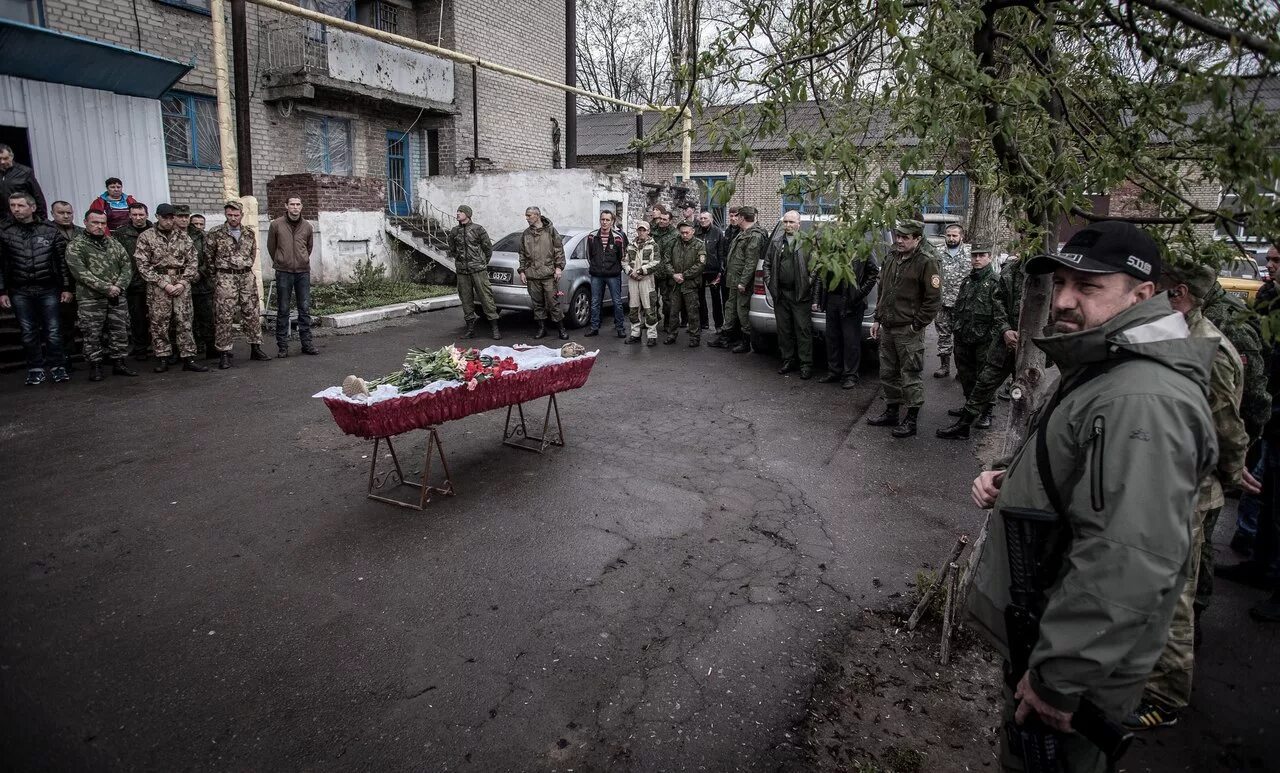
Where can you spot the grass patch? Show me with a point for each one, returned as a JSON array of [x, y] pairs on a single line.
[[349, 296], [926, 579]]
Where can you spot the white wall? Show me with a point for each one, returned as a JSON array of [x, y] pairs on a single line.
[[361, 59], [343, 239], [80, 137], [567, 197]]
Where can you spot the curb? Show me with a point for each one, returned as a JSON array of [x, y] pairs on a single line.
[[365, 316]]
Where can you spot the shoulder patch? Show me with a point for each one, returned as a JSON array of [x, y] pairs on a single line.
[[936, 281]]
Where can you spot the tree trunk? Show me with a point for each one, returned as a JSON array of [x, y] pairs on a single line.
[[985, 225]]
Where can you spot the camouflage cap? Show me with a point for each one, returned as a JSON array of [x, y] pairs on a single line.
[[181, 209], [909, 227], [1198, 277], [234, 204], [643, 225], [980, 247], [684, 224]]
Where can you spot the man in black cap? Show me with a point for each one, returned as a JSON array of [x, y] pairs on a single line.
[[1104, 487], [166, 258]]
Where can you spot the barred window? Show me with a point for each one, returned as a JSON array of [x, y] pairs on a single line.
[[191, 130], [940, 194]]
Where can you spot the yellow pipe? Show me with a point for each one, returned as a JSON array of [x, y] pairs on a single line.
[[226, 124], [686, 146]]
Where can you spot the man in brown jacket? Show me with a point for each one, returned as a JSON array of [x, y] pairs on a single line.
[[541, 266], [289, 244]]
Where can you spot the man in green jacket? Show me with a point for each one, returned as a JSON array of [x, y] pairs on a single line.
[[974, 317], [1116, 461], [541, 266], [684, 262], [471, 249], [739, 277], [910, 294], [787, 275], [102, 270]]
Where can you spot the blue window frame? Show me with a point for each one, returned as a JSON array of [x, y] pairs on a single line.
[[939, 194], [328, 145], [199, 6], [806, 199], [706, 184], [191, 130]]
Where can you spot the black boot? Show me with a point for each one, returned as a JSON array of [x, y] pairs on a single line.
[[118, 368], [190, 364], [95, 371], [887, 419], [542, 330], [471, 329], [956, 412], [224, 361], [564, 334], [957, 431], [944, 368], [493, 329], [984, 420], [256, 353], [743, 347], [908, 426], [162, 365]]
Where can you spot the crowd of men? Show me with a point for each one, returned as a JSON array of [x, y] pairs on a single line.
[[166, 289]]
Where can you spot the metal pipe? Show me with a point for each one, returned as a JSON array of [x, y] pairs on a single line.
[[686, 149], [240, 60], [444, 53], [475, 116], [226, 136], [570, 79], [639, 137]]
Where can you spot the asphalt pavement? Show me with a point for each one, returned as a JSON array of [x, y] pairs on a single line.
[[194, 579]]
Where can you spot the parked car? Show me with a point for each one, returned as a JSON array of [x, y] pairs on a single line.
[[1241, 278], [575, 282], [764, 325]]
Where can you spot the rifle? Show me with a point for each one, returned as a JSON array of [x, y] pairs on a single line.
[[1038, 744]]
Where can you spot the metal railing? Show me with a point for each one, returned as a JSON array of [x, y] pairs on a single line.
[[426, 219], [294, 46]]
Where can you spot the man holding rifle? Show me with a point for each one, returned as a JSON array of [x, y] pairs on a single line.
[[1090, 542]]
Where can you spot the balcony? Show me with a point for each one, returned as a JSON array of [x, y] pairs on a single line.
[[304, 60]]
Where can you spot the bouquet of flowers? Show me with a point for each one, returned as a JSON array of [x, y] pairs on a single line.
[[448, 363]]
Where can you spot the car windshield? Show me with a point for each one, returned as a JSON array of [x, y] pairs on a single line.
[[1239, 269], [509, 243]]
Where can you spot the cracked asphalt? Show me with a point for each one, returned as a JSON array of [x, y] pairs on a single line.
[[193, 578]]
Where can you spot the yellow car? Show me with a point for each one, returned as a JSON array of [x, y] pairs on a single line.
[[1241, 278]]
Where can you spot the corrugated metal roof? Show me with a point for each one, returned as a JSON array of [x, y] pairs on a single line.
[[38, 54]]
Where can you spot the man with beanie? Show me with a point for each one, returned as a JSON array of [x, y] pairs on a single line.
[[471, 249]]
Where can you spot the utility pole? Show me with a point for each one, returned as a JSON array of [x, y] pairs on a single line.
[[240, 66], [570, 79]]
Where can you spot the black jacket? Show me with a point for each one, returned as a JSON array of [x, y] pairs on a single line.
[[20, 179], [33, 255], [606, 259], [717, 247], [855, 299], [773, 257]]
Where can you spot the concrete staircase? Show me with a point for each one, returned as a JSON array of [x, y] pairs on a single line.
[[425, 233]]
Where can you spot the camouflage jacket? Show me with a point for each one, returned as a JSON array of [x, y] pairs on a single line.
[[159, 255], [744, 255], [975, 316], [97, 263], [128, 238], [1226, 379], [955, 269], [687, 259], [1230, 315], [227, 254], [541, 251], [204, 283], [1009, 296], [663, 238], [910, 289], [642, 258], [470, 247]]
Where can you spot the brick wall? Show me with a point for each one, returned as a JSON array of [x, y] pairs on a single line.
[[326, 193]]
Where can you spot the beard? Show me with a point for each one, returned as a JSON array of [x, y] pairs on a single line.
[[1066, 321]]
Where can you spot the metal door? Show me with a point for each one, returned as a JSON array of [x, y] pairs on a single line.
[[399, 185]]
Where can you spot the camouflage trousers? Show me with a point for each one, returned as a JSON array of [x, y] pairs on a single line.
[[235, 292], [901, 361], [942, 323], [1204, 577], [683, 299], [997, 366], [543, 294], [104, 327], [642, 294], [161, 311], [473, 289], [970, 359], [1170, 682]]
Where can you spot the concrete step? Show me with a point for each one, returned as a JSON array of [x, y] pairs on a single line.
[[365, 316]]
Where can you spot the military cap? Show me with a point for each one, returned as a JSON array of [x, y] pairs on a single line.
[[165, 210], [464, 209], [909, 227], [1198, 277], [684, 224], [234, 204], [980, 247], [748, 212], [643, 225], [181, 209]]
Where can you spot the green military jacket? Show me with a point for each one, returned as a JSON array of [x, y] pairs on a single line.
[[470, 248], [687, 259], [663, 238], [744, 255], [955, 269], [97, 263], [204, 282], [541, 251], [975, 313], [227, 254], [1226, 385], [1120, 553], [1240, 325], [128, 238], [642, 259], [1009, 296], [910, 289], [163, 257]]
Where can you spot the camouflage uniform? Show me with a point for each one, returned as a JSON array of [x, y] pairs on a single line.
[[139, 336], [955, 269], [202, 293], [910, 294], [168, 257], [687, 259], [471, 249], [974, 317], [642, 293], [740, 269], [663, 238], [541, 253], [234, 285], [1169, 684], [97, 263], [999, 361]]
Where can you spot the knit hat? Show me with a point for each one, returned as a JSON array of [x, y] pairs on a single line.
[[464, 209]]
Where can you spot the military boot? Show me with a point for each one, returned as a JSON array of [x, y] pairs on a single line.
[[95, 371], [564, 334], [908, 426], [190, 364], [957, 431], [162, 365], [224, 361], [256, 353], [743, 347], [984, 420], [118, 368], [542, 330], [493, 330], [887, 419], [471, 329], [944, 369]]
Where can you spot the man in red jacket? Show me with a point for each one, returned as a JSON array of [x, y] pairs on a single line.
[[114, 204]]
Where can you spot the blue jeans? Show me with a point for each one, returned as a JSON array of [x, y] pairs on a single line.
[[289, 284], [614, 283], [38, 311]]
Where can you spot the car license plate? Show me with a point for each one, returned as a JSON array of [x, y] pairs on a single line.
[[502, 277]]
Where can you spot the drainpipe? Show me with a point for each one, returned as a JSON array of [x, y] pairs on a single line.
[[226, 135], [687, 145], [639, 136], [570, 79], [475, 117], [240, 54]]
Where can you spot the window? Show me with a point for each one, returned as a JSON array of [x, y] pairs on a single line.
[[1231, 202], [25, 11], [328, 149], [387, 18], [199, 6], [191, 130], [805, 198], [939, 195], [706, 183]]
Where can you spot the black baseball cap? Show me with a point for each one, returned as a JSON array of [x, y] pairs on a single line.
[[165, 210], [1109, 247]]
